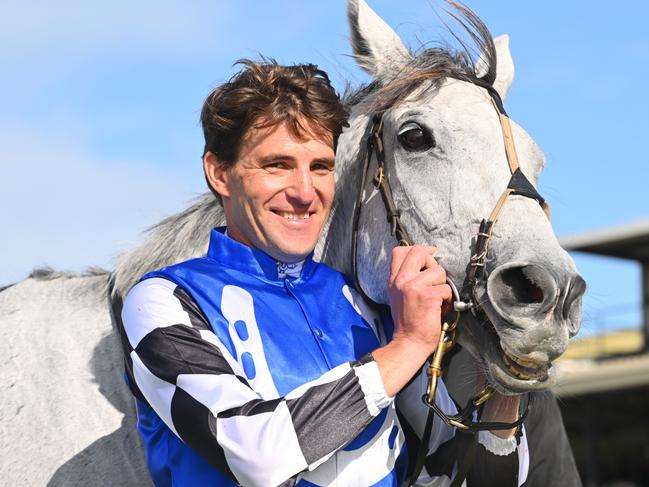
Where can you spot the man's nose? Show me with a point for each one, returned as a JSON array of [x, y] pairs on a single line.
[[301, 187]]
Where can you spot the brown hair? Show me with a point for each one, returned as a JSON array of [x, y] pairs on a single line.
[[265, 94]]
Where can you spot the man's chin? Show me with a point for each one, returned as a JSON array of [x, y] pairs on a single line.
[[291, 246], [290, 256], [292, 253]]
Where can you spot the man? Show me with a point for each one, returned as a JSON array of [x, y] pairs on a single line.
[[252, 365]]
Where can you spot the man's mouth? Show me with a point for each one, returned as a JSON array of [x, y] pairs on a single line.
[[292, 215]]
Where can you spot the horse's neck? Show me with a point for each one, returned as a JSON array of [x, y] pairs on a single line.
[[179, 237], [334, 247]]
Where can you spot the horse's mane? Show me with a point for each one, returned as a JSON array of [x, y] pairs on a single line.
[[179, 237], [184, 235], [47, 273], [434, 65]]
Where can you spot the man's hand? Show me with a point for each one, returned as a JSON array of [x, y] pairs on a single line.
[[417, 289]]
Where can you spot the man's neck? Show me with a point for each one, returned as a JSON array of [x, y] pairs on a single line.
[[284, 269]]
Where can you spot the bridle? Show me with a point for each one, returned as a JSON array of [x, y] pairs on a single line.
[[464, 301]]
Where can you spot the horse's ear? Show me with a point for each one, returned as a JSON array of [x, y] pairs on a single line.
[[377, 48], [504, 66]]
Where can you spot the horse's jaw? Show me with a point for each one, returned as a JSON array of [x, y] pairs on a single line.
[[516, 352], [480, 338]]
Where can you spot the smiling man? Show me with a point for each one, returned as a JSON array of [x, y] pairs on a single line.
[[278, 194], [253, 365]]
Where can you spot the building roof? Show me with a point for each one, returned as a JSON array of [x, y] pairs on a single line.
[[630, 241], [577, 377], [619, 342], [583, 370]]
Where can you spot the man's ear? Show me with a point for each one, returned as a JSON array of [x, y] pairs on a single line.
[[216, 174]]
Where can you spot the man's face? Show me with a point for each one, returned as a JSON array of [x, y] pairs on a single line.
[[278, 194]]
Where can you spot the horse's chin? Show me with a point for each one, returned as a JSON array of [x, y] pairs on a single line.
[[503, 380], [504, 371]]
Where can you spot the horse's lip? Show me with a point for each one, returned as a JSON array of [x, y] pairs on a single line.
[[506, 382], [525, 371]]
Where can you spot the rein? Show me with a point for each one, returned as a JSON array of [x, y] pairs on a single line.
[[462, 302]]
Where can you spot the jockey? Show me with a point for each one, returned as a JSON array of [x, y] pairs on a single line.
[[256, 365]]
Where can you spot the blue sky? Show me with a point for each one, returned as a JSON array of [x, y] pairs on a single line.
[[99, 106]]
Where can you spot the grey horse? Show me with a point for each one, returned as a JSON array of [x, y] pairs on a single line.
[[66, 415]]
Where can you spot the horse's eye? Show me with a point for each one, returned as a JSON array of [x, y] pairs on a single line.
[[415, 138]]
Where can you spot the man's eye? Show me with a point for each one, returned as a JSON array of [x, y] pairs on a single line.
[[415, 138], [321, 167], [275, 165]]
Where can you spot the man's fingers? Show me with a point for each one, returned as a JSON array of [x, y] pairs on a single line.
[[447, 298], [419, 258], [409, 261], [446, 295], [418, 291], [428, 286], [398, 256], [432, 276]]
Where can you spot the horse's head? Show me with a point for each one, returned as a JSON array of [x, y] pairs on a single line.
[[446, 162]]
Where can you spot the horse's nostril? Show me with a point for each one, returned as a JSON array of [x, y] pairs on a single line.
[[572, 303], [519, 285]]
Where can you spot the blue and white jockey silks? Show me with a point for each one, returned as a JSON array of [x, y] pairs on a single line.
[[248, 373]]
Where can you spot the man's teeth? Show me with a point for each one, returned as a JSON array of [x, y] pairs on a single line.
[[294, 216]]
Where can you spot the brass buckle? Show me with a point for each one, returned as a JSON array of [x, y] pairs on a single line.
[[483, 396], [446, 342]]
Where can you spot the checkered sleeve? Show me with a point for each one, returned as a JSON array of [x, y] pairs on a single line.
[[198, 389]]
